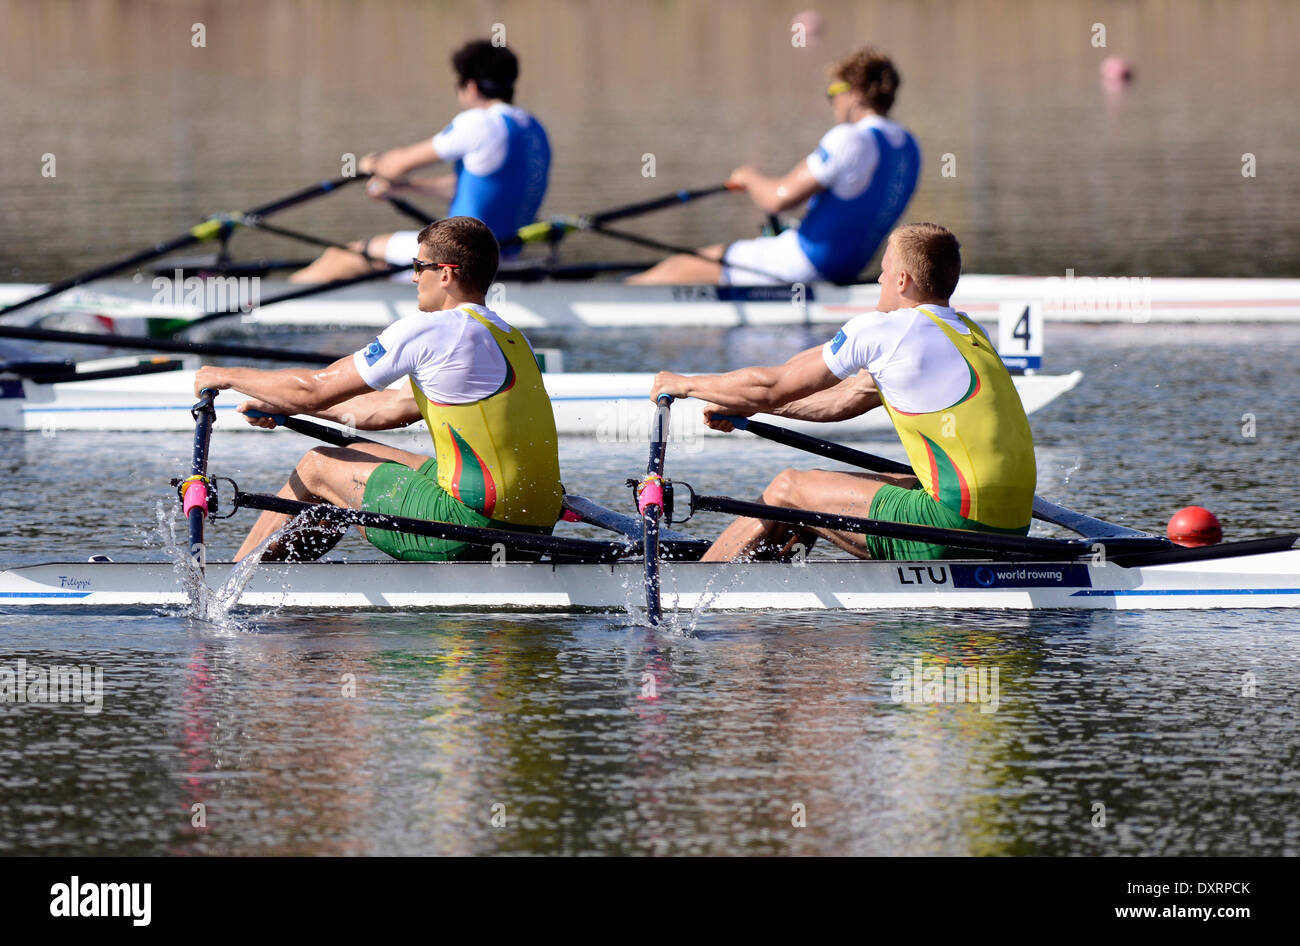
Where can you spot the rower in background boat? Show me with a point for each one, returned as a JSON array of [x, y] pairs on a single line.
[[949, 395], [502, 159], [475, 381], [857, 183]]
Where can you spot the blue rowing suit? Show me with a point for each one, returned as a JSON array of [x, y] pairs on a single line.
[[847, 221], [502, 160]]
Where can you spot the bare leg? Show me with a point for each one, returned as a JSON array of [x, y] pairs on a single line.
[[335, 475], [340, 264], [848, 494], [683, 268]]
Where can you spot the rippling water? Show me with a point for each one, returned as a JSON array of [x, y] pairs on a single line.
[[548, 722], [1045, 170]]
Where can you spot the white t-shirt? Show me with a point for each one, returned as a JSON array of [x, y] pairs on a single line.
[[452, 356], [479, 136], [915, 366], [847, 155]]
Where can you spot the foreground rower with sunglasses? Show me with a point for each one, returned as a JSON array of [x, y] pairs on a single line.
[[857, 183], [473, 379]]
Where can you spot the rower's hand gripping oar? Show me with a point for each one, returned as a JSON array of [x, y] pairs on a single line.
[[654, 501], [212, 228], [198, 494]]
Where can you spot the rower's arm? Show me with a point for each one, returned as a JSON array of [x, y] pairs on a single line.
[[442, 187], [396, 163], [753, 390], [377, 410], [294, 390], [850, 398], [775, 194]]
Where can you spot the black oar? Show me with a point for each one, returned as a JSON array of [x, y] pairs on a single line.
[[302, 292], [556, 227], [658, 203], [672, 544], [586, 549], [1043, 510], [194, 488], [683, 250], [412, 211], [835, 451], [137, 343], [310, 428], [992, 542], [650, 503], [209, 229]]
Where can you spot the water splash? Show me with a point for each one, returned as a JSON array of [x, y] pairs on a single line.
[[214, 606], [1075, 465], [677, 622]]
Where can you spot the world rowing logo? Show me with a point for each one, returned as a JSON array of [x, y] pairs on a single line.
[[985, 577], [838, 341], [374, 351]]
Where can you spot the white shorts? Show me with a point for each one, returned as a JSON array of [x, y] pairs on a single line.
[[403, 246], [767, 261]]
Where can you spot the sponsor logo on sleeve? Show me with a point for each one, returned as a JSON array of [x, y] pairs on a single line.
[[838, 342], [823, 154], [374, 351]]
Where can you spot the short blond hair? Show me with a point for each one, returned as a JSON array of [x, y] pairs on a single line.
[[872, 75], [931, 255]]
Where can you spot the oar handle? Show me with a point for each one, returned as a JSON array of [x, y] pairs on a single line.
[[194, 488], [650, 503], [280, 419]]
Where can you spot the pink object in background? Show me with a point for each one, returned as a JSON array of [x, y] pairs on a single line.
[[1116, 72]]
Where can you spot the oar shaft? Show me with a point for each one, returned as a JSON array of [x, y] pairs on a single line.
[[203, 231], [650, 499], [1043, 510], [301, 292], [412, 211], [194, 492], [675, 248], [835, 451], [591, 549], [136, 343], [658, 203], [318, 189], [312, 429], [137, 259], [957, 538]]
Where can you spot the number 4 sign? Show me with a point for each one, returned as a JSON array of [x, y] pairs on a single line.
[[1020, 335]]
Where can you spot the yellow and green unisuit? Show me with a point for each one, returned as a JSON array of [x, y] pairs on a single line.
[[974, 459], [496, 464]]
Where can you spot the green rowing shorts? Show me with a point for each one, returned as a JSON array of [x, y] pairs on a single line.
[[397, 490], [916, 506]]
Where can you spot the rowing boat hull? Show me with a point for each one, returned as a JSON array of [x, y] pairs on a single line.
[[562, 305], [611, 407], [1269, 580]]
